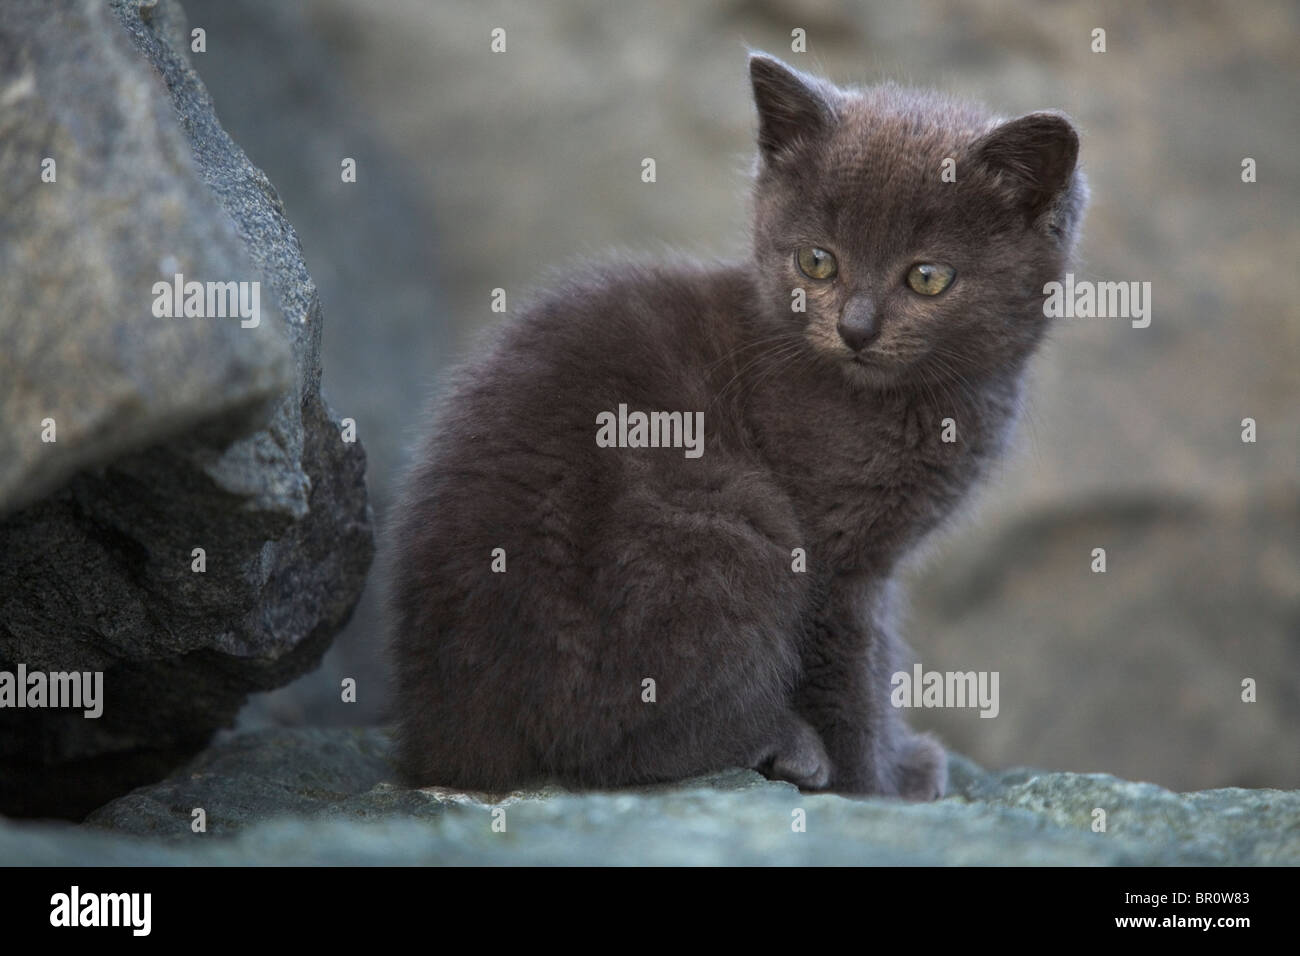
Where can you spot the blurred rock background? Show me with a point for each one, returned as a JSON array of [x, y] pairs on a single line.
[[479, 170]]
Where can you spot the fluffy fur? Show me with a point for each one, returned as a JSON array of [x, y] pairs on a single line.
[[627, 564]]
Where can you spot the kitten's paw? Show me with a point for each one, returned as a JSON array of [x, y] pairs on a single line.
[[799, 758], [922, 769]]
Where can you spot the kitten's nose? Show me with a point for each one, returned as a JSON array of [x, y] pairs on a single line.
[[858, 325]]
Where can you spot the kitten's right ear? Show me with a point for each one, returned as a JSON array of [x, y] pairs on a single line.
[[792, 106]]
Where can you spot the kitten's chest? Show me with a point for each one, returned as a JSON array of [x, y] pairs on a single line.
[[870, 478]]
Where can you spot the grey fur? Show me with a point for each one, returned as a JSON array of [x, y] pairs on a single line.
[[627, 564]]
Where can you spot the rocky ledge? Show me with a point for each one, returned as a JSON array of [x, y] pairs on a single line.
[[328, 797], [182, 519]]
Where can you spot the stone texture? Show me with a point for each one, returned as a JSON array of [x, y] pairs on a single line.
[[78, 341], [325, 797], [172, 433]]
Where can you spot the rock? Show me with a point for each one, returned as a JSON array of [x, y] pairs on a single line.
[[255, 776], [324, 797], [172, 433], [128, 207]]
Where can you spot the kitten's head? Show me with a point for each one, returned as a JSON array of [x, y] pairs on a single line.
[[921, 230]]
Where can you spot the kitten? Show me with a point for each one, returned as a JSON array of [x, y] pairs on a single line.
[[647, 615]]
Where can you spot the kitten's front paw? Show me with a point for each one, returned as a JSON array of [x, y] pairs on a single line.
[[922, 769], [798, 758]]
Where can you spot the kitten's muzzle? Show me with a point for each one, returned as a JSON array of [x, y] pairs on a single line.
[[859, 323]]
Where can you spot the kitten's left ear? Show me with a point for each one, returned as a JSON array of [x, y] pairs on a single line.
[[1037, 154]]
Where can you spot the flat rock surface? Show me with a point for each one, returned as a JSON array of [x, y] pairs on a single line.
[[328, 797]]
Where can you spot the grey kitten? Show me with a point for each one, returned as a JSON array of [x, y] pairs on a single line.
[[607, 616]]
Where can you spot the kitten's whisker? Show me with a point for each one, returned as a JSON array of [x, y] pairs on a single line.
[[779, 362], [792, 363], [942, 357], [750, 363], [752, 344], [780, 347]]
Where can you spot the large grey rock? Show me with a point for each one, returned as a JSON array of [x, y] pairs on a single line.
[[78, 341], [172, 434], [326, 797]]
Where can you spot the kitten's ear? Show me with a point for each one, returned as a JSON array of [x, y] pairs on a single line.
[[792, 106], [1037, 154]]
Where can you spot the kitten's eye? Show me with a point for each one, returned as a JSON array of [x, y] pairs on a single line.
[[930, 278], [816, 263]]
